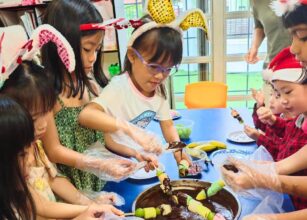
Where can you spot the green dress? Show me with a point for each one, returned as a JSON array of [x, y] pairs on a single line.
[[77, 138]]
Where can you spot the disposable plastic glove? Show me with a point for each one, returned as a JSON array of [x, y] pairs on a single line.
[[252, 174], [95, 212], [109, 169], [258, 96], [104, 197], [130, 134]]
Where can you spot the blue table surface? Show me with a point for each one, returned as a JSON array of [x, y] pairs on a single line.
[[210, 124]]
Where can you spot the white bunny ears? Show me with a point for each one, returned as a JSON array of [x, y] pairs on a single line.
[[15, 48]]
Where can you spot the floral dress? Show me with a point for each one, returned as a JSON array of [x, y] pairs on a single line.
[[77, 138], [40, 174]]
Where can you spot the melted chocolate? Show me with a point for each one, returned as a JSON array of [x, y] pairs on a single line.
[[231, 168], [176, 145], [223, 202]]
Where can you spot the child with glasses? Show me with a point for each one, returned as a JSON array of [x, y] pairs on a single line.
[[139, 95]]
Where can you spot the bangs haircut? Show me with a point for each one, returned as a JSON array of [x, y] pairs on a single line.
[[66, 16], [163, 43], [30, 86], [295, 17], [16, 133]]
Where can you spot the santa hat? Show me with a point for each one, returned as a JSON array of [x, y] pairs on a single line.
[[282, 6], [15, 47], [285, 67]]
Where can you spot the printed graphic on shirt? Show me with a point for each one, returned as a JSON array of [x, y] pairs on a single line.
[[144, 119]]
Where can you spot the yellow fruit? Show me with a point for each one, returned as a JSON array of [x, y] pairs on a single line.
[[206, 147], [218, 144], [201, 195], [192, 145]]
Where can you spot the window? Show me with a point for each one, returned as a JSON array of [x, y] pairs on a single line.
[[220, 59]]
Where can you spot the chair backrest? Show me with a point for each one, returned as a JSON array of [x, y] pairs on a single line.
[[205, 95]]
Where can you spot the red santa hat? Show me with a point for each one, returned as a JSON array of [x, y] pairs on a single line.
[[285, 67]]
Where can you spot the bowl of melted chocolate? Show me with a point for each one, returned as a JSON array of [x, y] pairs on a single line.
[[224, 202]]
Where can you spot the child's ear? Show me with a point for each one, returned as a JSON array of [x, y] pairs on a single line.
[[130, 55]]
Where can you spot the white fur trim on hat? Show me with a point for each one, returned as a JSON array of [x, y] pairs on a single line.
[[267, 74], [295, 75]]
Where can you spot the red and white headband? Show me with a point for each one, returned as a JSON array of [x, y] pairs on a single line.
[[117, 23], [15, 48], [282, 6]]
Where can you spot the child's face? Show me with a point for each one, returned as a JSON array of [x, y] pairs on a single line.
[[299, 42], [90, 46], [40, 124], [293, 96], [148, 76], [275, 103], [26, 160]]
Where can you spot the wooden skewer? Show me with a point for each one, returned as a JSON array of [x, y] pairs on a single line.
[[129, 214]]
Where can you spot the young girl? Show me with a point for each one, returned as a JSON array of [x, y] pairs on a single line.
[[18, 199], [65, 138], [138, 95]]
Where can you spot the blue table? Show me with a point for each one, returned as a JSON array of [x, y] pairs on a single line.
[[210, 124]]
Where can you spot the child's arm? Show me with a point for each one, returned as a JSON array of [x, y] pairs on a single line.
[[297, 215], [170, 134], [55, 210], [295, 163], [68, 192]]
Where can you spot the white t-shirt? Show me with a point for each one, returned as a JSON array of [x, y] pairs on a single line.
[[120, 98]]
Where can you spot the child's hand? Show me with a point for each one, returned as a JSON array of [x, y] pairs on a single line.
[[109, 198], [151, 160], [266, 116], [258, 96], [95, 212], [148, 140], [251, 132], [179, 156]]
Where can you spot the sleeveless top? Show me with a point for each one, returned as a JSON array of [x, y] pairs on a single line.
[[77, 138]]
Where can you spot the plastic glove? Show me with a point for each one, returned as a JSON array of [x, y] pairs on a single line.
[[251, 132], [109, 169], [104, 197], [258, 96], [152, 161], [266, 116], [130, 135], [251, 175], [95, 212]]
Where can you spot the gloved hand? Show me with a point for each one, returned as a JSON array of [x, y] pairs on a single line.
[[266, 116], [95, 212], [152, 161], [145, 139], [109, 169], [258, 97], [104, 197], [251, 132], [252, 174]]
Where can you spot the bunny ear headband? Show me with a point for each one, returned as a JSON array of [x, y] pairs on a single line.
[[282, 6], [15, 48], [163, 15]]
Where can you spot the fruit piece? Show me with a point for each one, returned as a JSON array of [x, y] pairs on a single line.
[[194, 152], [193, 144], [150, 213], [139, 212], [218, 144], [201, 195], [165, 209], [206, 147], [215, 188]]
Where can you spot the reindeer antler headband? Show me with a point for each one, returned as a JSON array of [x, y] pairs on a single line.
[[282, 6], [42, 35]]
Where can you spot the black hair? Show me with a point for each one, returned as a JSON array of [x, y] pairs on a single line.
[[66, 16], [30, 86], [295, 17], [16, 133], [164, 42]]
